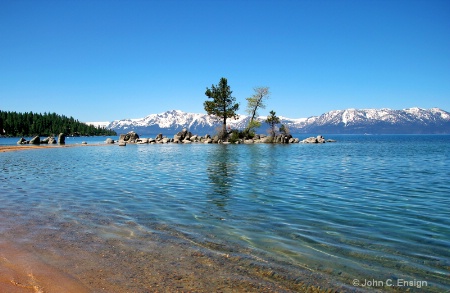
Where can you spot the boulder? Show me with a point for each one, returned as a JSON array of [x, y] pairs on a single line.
[[35, 140], [165, 140], [331, 140], [318, 139], [249, 141], [265, 139], [208, 140], [177, 137], [130, 137], [287, 138], [310, 140], [122, 143], [22, 141], [159, 136], [215, 139], [181, 135], [61, 138], [83, 142], [48, 140], [51, 140], [109, 141], [142, 140], [187, 141]]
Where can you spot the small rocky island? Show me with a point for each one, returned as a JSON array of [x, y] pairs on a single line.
[[186, 137]]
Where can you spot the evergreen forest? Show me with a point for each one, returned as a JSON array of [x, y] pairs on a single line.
[[15, 124]]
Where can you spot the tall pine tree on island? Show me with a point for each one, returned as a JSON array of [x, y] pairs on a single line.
[[223, 105]]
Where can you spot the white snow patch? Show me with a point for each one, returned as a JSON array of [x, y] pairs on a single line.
[[98, 124]]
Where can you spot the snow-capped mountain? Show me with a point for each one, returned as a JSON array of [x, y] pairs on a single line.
[[170, 122], [376, 121], [98, 124]]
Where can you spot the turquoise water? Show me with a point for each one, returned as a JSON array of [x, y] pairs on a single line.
[[364, 208]]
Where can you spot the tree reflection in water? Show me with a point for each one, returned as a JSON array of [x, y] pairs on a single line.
[[221, 170]]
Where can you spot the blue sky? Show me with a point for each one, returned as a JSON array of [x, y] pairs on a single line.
[[105, 60]]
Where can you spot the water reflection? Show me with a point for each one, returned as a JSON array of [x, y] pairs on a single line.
[[221, 169]]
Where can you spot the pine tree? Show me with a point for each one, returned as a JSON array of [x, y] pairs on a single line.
[[223, 105], [272, 120]]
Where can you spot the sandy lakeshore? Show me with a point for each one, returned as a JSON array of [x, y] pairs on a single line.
[[114, 268], [13, 148], [21, 271]]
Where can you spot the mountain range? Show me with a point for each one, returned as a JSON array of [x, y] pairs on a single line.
[[349, 121]]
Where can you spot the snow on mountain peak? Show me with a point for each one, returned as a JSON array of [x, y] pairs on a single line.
[[336, 121]]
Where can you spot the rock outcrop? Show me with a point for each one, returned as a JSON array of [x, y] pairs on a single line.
[[130, 137], [22, 141], [35, 140], [187, 137], [318, 139], [48, 140], [61, 138]]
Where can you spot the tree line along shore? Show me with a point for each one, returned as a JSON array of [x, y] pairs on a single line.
[[14, 124]]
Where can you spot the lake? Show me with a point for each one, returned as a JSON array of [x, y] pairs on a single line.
[[367, 212]]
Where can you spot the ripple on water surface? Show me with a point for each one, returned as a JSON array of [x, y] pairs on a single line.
[[352, 210]]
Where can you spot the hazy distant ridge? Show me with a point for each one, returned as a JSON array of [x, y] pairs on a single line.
[[349, 121]]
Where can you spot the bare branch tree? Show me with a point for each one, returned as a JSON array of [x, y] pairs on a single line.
[[254, 103]]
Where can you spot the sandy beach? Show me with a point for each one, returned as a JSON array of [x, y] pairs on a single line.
[[161, 267], [22, 271], [13, 148]]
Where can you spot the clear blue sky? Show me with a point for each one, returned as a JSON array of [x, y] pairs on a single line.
[[105, 60]]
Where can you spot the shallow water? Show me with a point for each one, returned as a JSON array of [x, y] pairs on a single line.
[[367, 208]]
